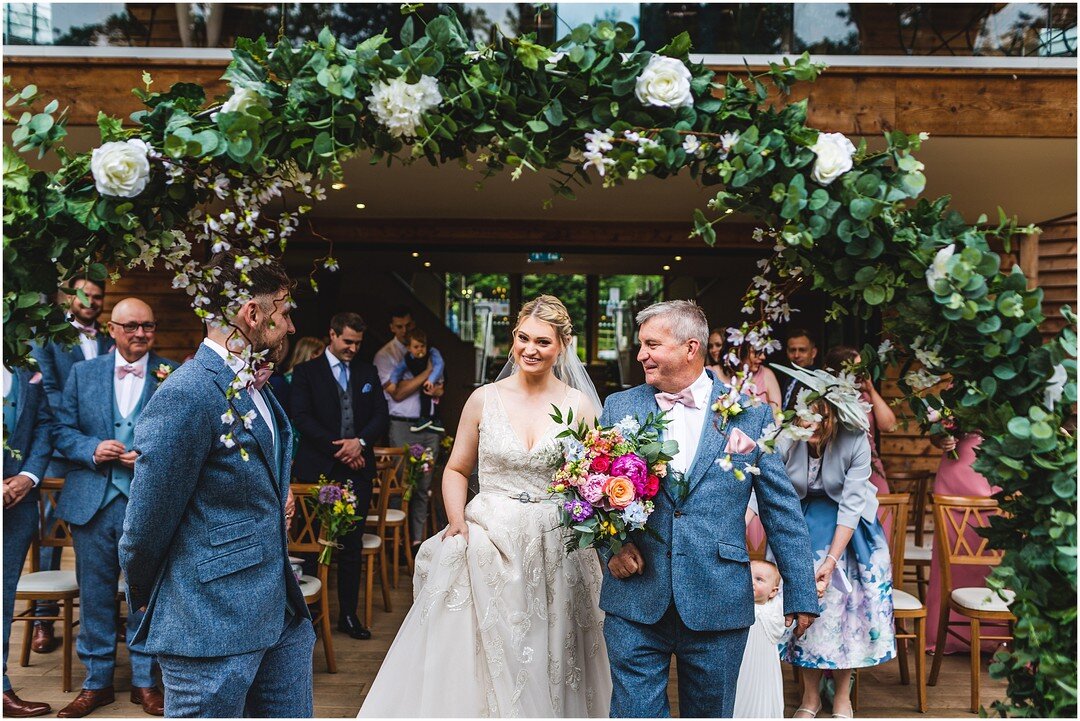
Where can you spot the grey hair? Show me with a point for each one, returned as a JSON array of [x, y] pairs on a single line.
[[685, 319]]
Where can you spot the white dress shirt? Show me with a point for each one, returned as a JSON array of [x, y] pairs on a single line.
[[129, 389], [88, 344], [335, 371], [686, 423], [236, 363], [385, 361]]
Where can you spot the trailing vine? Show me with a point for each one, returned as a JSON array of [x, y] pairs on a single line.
[[595, 106]]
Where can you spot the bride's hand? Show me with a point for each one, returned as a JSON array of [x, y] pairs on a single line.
[[457, 529]]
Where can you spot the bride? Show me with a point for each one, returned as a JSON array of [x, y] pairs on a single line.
[[504, 622]]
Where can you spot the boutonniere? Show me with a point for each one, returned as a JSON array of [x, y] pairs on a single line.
[[727, 407], [162, 372]]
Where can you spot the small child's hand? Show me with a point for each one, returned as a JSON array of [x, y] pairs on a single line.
[[428, 387]]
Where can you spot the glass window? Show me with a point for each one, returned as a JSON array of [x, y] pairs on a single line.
[[478, 310], [570, 289], [621, 297]]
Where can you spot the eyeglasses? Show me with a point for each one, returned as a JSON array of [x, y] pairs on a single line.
[[130, 328]]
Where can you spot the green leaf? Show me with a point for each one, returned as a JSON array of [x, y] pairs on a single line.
[[537, 126], [1020, 427], [874, 295], [679, 46]]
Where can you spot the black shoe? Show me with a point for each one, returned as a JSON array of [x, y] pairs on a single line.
[[351, 625]]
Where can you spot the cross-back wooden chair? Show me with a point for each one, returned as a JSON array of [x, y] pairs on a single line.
[[397, 519], [59, 586], [919, 544], [958, 544], [374, 544], [304, 538]]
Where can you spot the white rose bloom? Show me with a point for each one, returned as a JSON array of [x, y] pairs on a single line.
[[664, 82], [400, 106], [939, 269], [121, 169], [834, 152], [241, 100]]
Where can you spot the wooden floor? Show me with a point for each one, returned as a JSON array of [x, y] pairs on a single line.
[[341, 694]]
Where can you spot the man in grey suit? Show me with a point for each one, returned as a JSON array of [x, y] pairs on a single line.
[[687, 591], [205, 545], [102, 404], [56, 360], [28, 424]]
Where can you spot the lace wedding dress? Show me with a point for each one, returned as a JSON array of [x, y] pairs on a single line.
[[508, 625]]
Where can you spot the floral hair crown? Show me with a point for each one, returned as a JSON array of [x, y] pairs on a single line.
[[840, 391]]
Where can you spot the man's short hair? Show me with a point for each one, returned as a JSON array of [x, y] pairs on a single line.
[[347, 319], [400, 311], [416, 334], [801, 333], [264, 277], [686, 321]]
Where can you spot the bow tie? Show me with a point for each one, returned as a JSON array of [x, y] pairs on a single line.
[[263, 371], [89, 332], [123, 370], [667, 401]]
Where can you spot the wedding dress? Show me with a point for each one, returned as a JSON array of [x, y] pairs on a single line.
[[509, 624]]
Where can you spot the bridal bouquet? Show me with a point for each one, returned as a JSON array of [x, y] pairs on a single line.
[[608, 478], [335, 507]]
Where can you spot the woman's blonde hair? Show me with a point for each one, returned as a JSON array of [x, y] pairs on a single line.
[[306, 348], [550, 310], [829, 424]]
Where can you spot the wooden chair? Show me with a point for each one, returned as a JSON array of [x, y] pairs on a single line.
[[918, 548], [955, 518], [304, 538], [374, 545], [59, 586], [893, 514], [397, 520]]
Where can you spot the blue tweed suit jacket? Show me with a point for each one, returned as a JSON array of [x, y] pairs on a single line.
[[700, 560], [85, 419], [32, 434], [57, 359], [205, 546]]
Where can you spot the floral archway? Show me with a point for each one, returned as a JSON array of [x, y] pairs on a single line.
[[597, 106]]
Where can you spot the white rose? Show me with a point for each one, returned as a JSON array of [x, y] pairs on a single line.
[[664, 82], [241, 100], [834, 152], [400, 106], [1055, 387], [121, 169], [939, 269]]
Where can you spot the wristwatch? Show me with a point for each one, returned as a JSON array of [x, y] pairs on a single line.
[[363, 443]]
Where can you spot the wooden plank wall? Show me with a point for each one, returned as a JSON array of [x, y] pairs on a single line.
[[1055, 272], [179, 330]]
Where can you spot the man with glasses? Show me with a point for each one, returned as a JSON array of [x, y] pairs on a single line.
[[55, 361], [101, 404]]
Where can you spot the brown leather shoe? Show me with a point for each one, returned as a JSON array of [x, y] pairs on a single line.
[[44, 640], [87, 700], [151, 700], [15, 707]]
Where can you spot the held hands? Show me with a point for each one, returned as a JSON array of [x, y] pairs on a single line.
[[627, 562], [944, 442], [15, 489], [351, 452], [457, 528], [824, 575], [804, 621], [107, 451]]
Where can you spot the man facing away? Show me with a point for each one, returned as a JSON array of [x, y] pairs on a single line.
[[102, 403], [340, 412], [205, 545]]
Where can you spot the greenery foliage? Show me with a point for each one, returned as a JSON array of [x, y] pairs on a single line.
[[576, 109]]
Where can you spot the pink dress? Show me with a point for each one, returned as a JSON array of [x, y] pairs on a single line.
[[758, 379], [877, 469], [955, 477]]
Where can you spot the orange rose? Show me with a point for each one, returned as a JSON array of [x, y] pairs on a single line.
[[620, 491]]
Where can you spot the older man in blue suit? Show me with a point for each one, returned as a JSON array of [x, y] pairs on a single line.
[[687, 591], [56, 361], [28, 424], [205, 545], [103, 401]]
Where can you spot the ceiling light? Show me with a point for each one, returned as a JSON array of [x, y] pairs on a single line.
[[427, 263], [360, 206], [678, 258], [338, 185], [415, 255], [667, 267]]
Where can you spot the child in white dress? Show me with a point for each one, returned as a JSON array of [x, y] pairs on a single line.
[[760, 691]]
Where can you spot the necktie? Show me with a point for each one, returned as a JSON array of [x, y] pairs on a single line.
[[123, 370], [790, 391], [263, 371], [667, 401], [343, 376]]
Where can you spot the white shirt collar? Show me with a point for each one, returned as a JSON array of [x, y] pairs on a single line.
[[231, 359], [118, 361], [334, 360], [702, 389]]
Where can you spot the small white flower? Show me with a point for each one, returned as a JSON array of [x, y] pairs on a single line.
[[884, 349], [924, 136], [598, 161], [599, 141], [242, 261], [665, 82], [727, 142], [797, 433], [939, 268], [692, 146], [241, 100], [220, 245], [227, 418], [628, 426], [331, 264], [227, 439], [736, 336], [725, 463], [752, 470], [921, 379], [1055, 387], [632, 136], [834, 153], [121, 169], [248, 418], [802, 409]]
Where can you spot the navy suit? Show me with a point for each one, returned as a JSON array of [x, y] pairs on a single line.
[[315, 397], [32, 438], [84, 419], [205, 550], [695, 598]]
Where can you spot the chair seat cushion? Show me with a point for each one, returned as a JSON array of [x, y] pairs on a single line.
[[914, 553], [371, 541], [904, 601], [393, 515], [310, 586], [982, 599], [48, 582]]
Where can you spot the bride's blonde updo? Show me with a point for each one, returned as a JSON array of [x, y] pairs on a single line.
[[550, 310]]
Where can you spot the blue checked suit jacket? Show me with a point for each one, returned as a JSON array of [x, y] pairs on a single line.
[[32, 434], [205, 546]]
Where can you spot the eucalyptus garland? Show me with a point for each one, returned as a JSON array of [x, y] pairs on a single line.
[[597, 106]]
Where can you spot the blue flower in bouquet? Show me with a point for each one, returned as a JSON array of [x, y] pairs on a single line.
[[573, 449], [578, 511], [329, 494], [635, 514], [628, 426]]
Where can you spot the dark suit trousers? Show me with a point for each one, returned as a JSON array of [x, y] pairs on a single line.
[[350, 555], [20, 522]]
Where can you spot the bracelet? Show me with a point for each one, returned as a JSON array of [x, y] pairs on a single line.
[[834, 558]]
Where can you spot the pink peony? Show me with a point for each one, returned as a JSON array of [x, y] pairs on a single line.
[[592, 490], [633, 467], [600, 464]]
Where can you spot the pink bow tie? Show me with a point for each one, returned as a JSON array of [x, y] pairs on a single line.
[[263, 371], [89, 332], [123, 370], [667, 401]]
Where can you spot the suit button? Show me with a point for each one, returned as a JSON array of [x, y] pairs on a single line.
[[678, 514], [669, 554]]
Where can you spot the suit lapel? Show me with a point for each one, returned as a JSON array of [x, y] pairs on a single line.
[[103, 390], [284, 439], [712, 439], [242, 404], [151, 382], [330, 382]]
